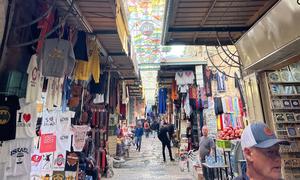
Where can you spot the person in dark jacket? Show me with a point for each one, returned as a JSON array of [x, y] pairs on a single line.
[[138, 136], [165, 135]]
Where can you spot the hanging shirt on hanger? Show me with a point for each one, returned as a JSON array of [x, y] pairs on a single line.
[[26, 121], [174, 94], [184, 77], [19, 157], [59, 55], [208, 76], [220, 82], [8, 109], [49, 122], [79, 136], [34, 88], [162, 100]]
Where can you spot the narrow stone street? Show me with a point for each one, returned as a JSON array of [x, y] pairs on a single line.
[[148, 164]]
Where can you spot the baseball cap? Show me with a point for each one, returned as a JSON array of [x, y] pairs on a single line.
[[259, 135]]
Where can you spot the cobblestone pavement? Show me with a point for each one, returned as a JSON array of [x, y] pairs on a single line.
[[148, 164]]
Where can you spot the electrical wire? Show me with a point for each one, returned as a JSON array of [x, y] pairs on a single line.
[[50, 32], [39, 18]]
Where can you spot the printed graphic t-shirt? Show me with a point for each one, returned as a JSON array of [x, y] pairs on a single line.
[[8, 112], [33, 84], [59, 55], [26, 121], [59, 160], [20, 157], [79, 136], [64, 122], [49, 122]]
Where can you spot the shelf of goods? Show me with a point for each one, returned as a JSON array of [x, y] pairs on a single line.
[[284, 98]]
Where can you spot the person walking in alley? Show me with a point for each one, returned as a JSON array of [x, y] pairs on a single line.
[[261, 151], [147, 128], [206, 147], [138, 136], [165, 135]]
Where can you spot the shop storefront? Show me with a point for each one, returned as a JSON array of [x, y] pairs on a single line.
[[60, 98], [275, 69]]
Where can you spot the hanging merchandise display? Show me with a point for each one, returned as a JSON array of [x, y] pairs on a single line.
[[220, 77], [19, 157], [162, 100], [26, 121], [55, 105], [91, 66], [282, 108], [59, 55], [34, 88], [199, 76], [79, 136], [184, 77], [208, 77], [8, 108]]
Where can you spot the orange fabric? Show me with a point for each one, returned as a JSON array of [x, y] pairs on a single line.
[[174, 94]]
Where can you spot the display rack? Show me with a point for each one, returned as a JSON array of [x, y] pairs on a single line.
[[284, 98]]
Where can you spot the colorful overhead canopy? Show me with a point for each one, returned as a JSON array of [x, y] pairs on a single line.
[[145, 20]]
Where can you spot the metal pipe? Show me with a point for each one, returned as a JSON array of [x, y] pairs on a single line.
[[166, 21], [216, 66]]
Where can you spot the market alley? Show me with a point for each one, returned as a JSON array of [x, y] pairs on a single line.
[[148, 164]]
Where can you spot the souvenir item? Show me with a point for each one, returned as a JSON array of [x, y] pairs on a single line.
[[286, 103], [290, 117], [274, 76], [280, 127], [291, 131], [277, 103], [288, 90], [276, 89], [295, 103], [297, 116], [280, 117], [286, 75], [297, 89], [295, 70]]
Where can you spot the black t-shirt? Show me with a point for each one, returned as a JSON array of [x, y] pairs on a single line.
[[8, 113]]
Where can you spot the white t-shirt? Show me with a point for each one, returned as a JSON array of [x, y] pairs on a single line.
[[57, 99], [36, 162], [20, 157], [52, 93], [33, 84], [64, 121], [184, 77], [63, 142], [26, 121], [59, 160], [3, 170], [47, 162], [49, 122], [79, 136], [189, 77], [183, 88], [4, 152]]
